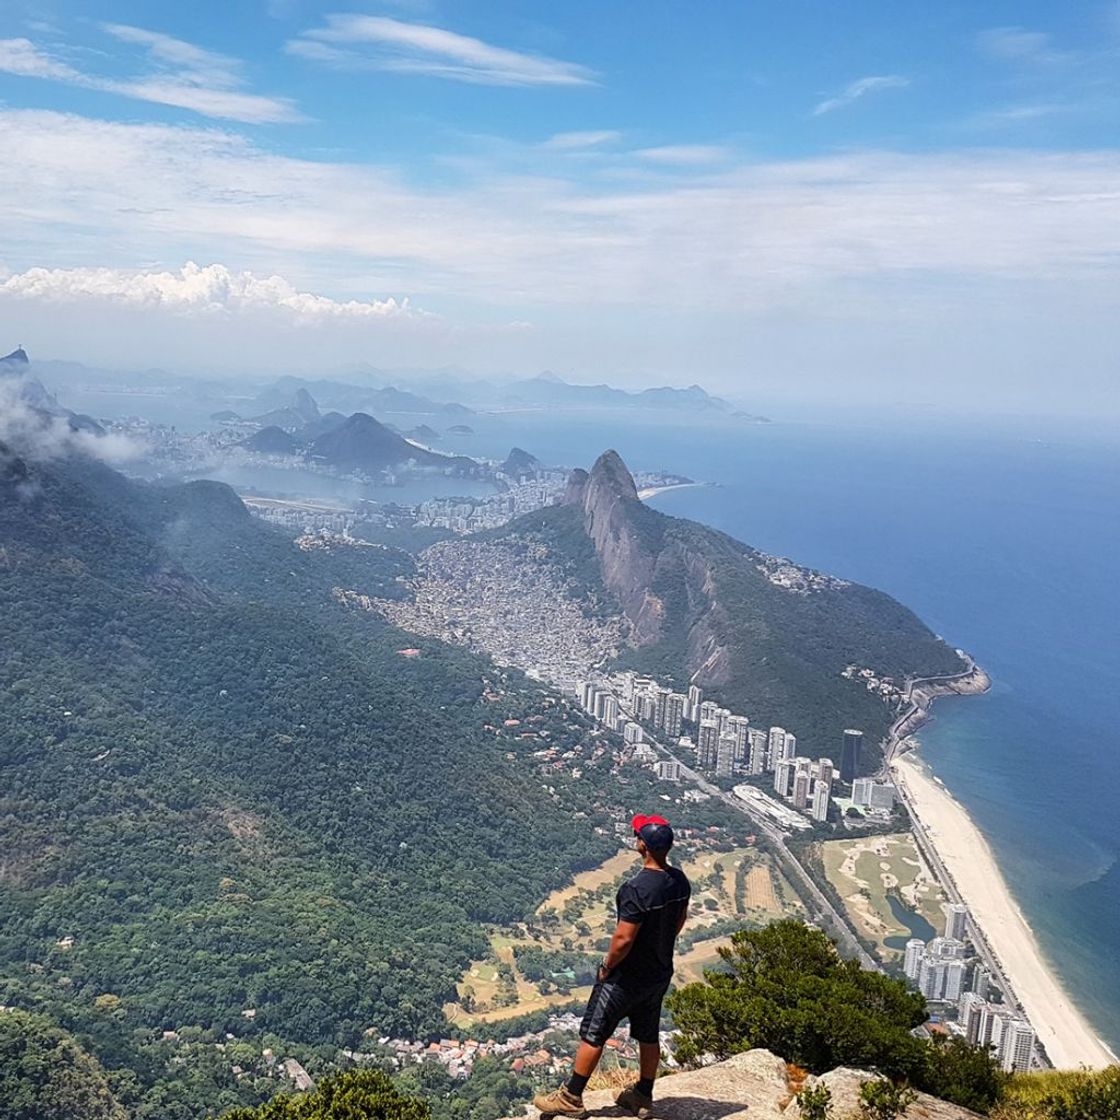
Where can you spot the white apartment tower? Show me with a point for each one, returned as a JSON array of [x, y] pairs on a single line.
[[776, 746], [783, 777], [801, 780], [912, 961], [725, 757], [674, 713], [668, 770], [956, 920], [821, 794], [757, 740], [695, 696]]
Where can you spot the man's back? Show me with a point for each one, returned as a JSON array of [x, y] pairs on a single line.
[[657, 902]]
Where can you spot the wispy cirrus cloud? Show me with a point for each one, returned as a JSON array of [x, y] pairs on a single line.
[[684, 155], [181, 74], [384, 43], [860, 88], [578, 141], [1017, 44]]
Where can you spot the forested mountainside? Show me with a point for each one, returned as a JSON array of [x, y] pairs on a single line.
[[761, 634], [228, 804]]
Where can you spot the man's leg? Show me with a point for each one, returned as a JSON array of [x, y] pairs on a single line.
[[586, 1059], [649, 1058]]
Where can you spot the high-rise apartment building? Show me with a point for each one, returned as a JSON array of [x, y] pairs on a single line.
[[790, 748], [668, 770], [956, 920], [912, 961], [783, 777], [707, 744], [981, 980], [776, 746], [725, 756], [695, 696], [674, 714], [849, 754], [801, 782], [825, 771], [822, 792], [757, 760], [661, 699], [631, 732]]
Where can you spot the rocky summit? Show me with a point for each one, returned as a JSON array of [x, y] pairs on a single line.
[[757, 1085]]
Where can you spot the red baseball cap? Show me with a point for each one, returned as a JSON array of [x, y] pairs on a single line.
[[654, 832], [641, 820]]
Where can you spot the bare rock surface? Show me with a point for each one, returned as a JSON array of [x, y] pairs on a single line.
[[755, 1086]]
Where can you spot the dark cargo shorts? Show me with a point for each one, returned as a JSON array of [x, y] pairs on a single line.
[[610, 1003]]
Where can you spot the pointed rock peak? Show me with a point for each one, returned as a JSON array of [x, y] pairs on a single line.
[[304, 404], [18, 357], [611, 473], [577, 487]]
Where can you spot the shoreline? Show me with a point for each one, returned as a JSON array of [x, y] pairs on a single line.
[[653, 491], [962, 858]]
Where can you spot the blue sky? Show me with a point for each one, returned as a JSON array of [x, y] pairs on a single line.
[[799, 198]]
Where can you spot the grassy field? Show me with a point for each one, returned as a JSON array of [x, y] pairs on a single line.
[[742, 884], [867, 871]]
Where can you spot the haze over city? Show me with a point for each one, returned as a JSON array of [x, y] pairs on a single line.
[[777, 201]]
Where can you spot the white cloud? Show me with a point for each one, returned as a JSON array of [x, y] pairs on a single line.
[[194, 290], [947, 264], [684, 155], [736, 234], [576, 141], [1016, 44], [860, 88], [23, 58], [416, 48], [184, 76], [38, 437]]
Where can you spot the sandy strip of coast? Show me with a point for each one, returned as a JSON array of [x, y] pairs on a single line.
[[1069, 1039], [653, 491]]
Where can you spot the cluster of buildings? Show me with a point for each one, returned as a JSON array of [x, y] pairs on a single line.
[[1009, 1036], [724, 743], [939, 970], [469, 516], [523, 1052]]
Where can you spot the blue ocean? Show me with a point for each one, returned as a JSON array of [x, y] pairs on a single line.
[[1005, 538]]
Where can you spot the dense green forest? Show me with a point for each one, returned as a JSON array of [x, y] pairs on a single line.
[[231, 806]]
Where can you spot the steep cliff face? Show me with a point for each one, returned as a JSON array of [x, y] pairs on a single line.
[[660, 583], [767, 636]]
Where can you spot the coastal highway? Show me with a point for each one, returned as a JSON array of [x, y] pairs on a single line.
[[915, 712], [790, 864]]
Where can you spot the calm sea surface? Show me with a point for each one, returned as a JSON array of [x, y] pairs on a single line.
[[1006, 540]]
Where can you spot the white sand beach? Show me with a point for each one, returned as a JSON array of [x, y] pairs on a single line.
[[1069, 1039]]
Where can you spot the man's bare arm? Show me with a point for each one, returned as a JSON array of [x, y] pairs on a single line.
[[622, 941]]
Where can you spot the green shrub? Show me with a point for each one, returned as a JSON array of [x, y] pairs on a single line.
[[815, 1103], [357, 1095], [884, 1100]]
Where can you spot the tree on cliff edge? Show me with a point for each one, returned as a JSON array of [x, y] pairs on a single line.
[[788, 990]]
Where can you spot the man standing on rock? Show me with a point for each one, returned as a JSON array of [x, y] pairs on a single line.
[[634, 975]]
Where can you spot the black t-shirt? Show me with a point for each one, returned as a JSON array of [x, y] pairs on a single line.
[[656, 900]]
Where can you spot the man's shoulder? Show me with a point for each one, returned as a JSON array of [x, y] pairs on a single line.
[[679, 876]]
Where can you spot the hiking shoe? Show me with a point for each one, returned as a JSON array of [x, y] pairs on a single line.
[[560, 1103], [634, 1102]]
